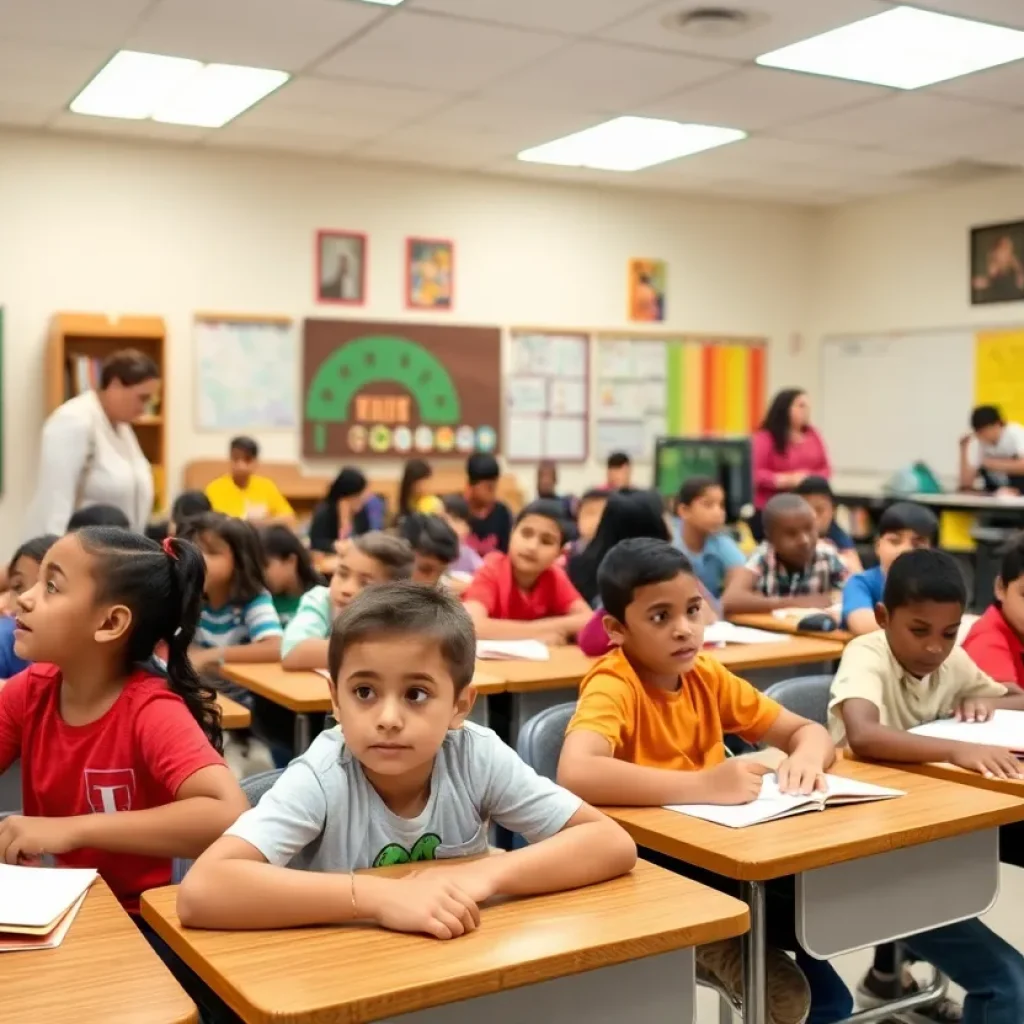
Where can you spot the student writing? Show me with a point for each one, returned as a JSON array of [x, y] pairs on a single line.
[[404, 778]]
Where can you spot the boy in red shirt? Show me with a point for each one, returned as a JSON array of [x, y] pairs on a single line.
[[996, 640], [524, 595]]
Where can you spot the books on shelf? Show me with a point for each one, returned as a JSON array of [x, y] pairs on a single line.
[[82, 373], [1004, 729], [772, 804], [37, 905]]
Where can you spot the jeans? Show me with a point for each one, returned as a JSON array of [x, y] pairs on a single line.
[[989, 969]]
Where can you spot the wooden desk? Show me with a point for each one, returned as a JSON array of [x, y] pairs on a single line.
[[767, 621], [951, 773], [356, 974], [232, 714], [103, 971]]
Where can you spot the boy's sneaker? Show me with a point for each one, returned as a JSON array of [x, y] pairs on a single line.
[[789, 995], [876, 988]]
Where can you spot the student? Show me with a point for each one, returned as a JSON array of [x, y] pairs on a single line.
[[456, 514], [524, 595], [434, 546], [649, 730], [903, 526], [414, 494], [187, 505], [993, 451], [818, 493], [905, 674], [98, 515], [619, 472], [288, 569], [701, 536], [547, 487], [336, 518], [22, 574], [371, 558], [588, 517], [405, 778], [791, 568], [244, 494], [238, 623], [490, 521]]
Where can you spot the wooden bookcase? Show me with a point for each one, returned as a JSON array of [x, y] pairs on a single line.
[[94, 336]]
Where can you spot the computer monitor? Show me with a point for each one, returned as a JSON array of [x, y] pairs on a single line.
[[676, 459]]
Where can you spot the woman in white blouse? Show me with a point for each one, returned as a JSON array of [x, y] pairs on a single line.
[[90, 455]]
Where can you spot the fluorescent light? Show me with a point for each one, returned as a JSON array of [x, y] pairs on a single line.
[[383, 3], [630, 144], [905, 48], [174, 90], [216, 94], [131, 84]]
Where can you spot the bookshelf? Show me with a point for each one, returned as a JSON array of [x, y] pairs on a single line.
[[78, 344]]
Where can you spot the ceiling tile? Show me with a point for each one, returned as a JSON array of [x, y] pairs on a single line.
[[24, 113], [262, 33], [605, 77], [1002, 12], [1003, 85], [339, 94], [785, 21], [575, 17], [757, 98], [44, 74], [127, 129], [237, 135], [433, 52], [74, 22], [351, 124]]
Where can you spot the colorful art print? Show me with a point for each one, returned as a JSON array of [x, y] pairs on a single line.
[[429, 273], [647, 280], [997, 263], [341, 267], [388, 389]]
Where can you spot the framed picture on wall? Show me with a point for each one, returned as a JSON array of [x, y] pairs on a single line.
[[341, 267], [647, 279], [429, 273], [997, 263]]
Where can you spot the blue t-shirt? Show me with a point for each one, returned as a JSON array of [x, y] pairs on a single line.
[[863, 591], [842, 540], [721, 553], [10, 663]]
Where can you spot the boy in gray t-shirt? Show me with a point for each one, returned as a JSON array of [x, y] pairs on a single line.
[[404, 778]]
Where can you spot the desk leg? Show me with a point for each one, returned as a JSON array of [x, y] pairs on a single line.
[[755, 998], [302, 734]]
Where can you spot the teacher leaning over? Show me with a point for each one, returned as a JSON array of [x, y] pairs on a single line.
[[785, 450], [89, 453]]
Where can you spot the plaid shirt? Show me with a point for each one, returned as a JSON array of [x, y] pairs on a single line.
[[824, 574]]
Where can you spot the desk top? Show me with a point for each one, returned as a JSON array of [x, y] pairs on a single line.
[[968, 500], [773, 624], [358, 974], [103, 971], [951, 773], [232, 714], [932, 809]]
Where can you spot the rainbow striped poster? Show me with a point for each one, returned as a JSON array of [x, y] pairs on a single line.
[[687, 386]]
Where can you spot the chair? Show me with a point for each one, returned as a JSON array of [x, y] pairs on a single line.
[[807, 696], [253, 787]]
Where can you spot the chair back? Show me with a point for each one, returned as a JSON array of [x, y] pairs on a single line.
[[540, 738], [807, 696]]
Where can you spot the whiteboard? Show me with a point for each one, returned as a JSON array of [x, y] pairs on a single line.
[[246, 375], [889, 400]]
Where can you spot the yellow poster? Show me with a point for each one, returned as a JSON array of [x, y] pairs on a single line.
[[999, 372]]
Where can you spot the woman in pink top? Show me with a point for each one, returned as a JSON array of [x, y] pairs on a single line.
[[785, 450]]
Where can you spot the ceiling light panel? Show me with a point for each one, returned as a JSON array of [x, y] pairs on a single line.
[[218, 94]]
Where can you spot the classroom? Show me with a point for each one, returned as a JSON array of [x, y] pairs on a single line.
[[474, 473]]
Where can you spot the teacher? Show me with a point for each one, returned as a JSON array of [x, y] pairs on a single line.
[[90, 455], [784, 451]]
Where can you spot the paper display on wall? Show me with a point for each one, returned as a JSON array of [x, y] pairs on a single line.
[[631, 396], [547, 397], [246, 375]]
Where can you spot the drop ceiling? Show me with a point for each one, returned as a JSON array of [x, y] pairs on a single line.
[[466, 84]]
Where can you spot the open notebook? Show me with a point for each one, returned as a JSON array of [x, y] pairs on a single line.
[[1003, 729], [772, 804], [512, 650], [723, 632], [34, 901]]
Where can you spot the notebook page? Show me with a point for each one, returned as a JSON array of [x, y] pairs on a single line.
[[723, 632], [1003, 729], [512, 650], [20, 943], [36, 897]]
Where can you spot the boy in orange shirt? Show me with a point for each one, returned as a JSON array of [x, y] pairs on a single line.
[[649, 730]]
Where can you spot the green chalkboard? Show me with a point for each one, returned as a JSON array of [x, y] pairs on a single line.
[[676, 459]]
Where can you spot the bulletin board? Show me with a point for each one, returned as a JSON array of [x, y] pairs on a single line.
[[246, 372], [999, 371], [651, 387], [547, 397], [393, 389]]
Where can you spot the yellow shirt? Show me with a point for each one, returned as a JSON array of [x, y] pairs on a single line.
[[429, 505], [260, 499]]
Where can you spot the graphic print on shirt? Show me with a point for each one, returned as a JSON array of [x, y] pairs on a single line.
[[395, 853], [109, 790]]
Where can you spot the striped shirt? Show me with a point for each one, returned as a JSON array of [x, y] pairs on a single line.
[[237, 624]]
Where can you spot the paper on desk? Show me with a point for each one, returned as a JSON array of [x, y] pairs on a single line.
[[723, 632], [34, 899], [512, 650], [1003, 729], [51, 940]]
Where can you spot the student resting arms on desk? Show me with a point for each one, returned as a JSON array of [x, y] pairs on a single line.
[[908, 673], [993, 451], [405, 778], [649, 730], [904, 526], [524, 595], [791, 568], [996, 641]]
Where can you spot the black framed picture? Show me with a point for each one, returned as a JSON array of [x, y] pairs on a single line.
[[997, 263]]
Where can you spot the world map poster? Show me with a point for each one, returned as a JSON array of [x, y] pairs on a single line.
[[399, 389]]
